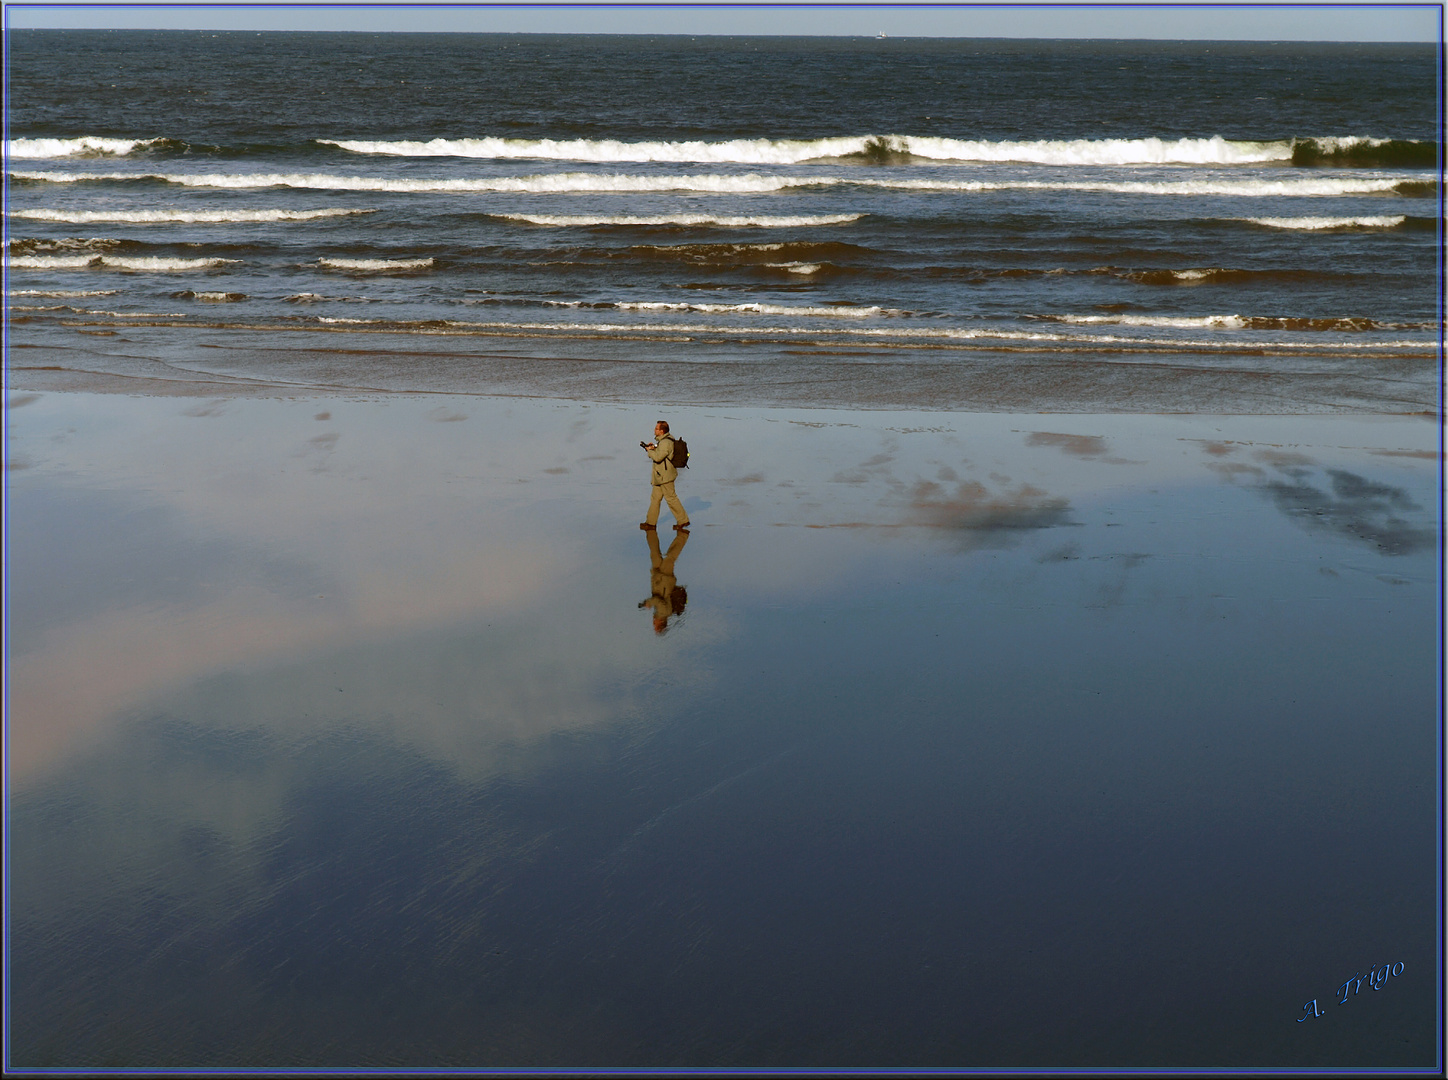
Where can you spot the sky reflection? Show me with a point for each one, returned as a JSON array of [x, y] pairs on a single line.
[[339, 735]]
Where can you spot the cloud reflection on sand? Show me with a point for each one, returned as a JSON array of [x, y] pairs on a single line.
[[1356, 507], [983, 518], [465, 573]]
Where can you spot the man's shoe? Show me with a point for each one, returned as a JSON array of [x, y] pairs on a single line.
[[682, 528], [646, 525]]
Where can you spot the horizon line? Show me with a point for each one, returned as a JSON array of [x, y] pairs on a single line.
[[700, 34]]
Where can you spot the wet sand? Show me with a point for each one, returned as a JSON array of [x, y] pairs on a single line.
[[188, 360], [338, 736]]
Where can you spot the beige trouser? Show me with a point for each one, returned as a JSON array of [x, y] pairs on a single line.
[[665, 493]]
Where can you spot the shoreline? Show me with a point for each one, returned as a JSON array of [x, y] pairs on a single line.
[[1042, 384]]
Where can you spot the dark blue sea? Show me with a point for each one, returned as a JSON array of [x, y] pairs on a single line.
[[1051, 675], [976, 224]]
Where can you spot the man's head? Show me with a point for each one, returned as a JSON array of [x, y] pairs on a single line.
[[661, 429]]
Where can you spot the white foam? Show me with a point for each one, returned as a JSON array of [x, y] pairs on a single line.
[[724, 184], [763, 221], [797, 267], [1311, 186], [1225, 322], [1321, 185], [50, 262], [371, 265], [985, 335], [1334, 143], [1151, 151], [1379, 222], [86, 145], [761, 309], [735, 151], [134, 314], [1212, 151], [75, 262], [64, 294], [193, 216]]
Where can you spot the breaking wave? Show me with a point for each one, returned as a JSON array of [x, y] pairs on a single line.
[[832, 312], [210, 297], [1340, 324], [1353, 150], [885, 334], [111, 262], [84, 217], [366, 266], [64, 294], [749, 183], [84, 146], [723, 184], [873, 149], [1324, 185], [1383, 222], [762, 221]]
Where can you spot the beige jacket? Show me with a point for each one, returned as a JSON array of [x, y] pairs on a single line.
[[664, 471]]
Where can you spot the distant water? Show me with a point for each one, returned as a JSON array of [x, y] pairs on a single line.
[[791, 204]]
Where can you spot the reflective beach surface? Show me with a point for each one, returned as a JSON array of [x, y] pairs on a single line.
[[372, 731]]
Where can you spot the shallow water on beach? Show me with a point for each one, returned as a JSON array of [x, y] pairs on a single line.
[[340, 733]]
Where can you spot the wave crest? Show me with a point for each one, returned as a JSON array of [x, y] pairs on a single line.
[[871, 149], [84, 146], [85, 217], [369, 266], [153, 264], [1378, 222], [762, 221], [750, 183]]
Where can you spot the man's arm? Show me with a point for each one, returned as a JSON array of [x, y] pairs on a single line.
[[661, 450]]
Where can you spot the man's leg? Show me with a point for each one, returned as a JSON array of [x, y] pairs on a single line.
[[654, 500], [675, 506]]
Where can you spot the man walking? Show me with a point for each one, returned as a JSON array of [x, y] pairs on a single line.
[[661, 453]]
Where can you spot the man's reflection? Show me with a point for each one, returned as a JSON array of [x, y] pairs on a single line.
[[668, 597]]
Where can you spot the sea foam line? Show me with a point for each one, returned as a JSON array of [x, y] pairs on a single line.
[[724, 184], [1149, 151], [843, 312], [1289, 323], [763, 221], [1312, 186], [946, 334], [727, 184], [64, 294], [85, 217], [372, 265], [78, 262], [86, 145], [1380, 222]]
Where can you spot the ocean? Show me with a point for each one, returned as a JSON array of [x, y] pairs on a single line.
[[1158, 226]]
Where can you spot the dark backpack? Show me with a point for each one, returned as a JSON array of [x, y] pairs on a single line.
[[680, 457]]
